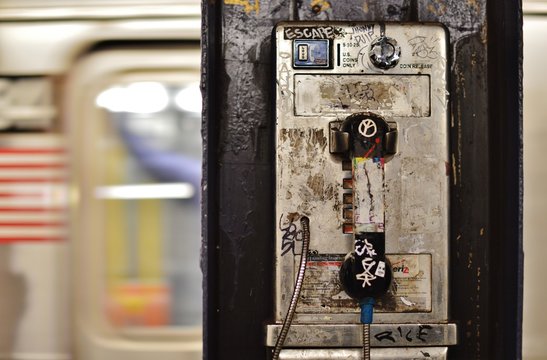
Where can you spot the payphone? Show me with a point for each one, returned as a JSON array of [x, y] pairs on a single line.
[[362, 187]]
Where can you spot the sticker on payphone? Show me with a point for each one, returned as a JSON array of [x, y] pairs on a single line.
[[410, 292], [321, 290]]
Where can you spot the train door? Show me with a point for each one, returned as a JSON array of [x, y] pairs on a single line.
[[101, 264], [137, 149]]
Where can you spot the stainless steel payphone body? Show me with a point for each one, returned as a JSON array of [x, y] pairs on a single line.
[[325, 73]]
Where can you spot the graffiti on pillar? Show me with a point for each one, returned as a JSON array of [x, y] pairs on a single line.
[[319, 5], [248, 6]]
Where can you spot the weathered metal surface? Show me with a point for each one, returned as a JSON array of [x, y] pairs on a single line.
[[309, 180], [350, 335], [469, 222], [435, 353], [399, 95], [505, 112], [238, 175], [322, 291]]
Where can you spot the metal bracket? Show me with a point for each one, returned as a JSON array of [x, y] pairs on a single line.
[[339, 140]]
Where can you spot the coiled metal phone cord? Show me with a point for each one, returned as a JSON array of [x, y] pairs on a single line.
[[366, 341], [305, 222]]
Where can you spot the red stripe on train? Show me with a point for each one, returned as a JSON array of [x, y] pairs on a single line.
[[31, 209], [36, 151], [33, 166], [16, 194], [17, 239], [31, 223], [32, 180]]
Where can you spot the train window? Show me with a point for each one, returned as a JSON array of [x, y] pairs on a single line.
[[149, 186], [133, 116]]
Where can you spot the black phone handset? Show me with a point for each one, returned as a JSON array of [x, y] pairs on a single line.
[[365, 273]]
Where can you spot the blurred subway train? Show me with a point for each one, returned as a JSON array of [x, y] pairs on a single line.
[[100, 168]]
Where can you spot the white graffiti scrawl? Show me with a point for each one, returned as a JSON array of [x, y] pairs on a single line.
[[361, 248], [367, 276]]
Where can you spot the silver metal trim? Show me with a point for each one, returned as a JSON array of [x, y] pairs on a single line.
[[430, 353], [350, 335]]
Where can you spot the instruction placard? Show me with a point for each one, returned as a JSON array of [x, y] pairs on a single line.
[[410, 290]]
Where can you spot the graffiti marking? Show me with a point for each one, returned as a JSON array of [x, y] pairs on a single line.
[[422, 332], [409, 334], [363, 34], [367, 276], [319, 32], [246, 5], [290, 236], [320, 5], [422, 49], [283, 85], [368, 128], [385, 335]]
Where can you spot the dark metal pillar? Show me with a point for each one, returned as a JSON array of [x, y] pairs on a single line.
[[238, 224]]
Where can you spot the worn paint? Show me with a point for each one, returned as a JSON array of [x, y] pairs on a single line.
[[310, 179], [393, 95], [437, 8], [246, 42], [421, 205], [368, 194], [247, 5], [303, 143], [320, 189], [470, 164], [320, 5]]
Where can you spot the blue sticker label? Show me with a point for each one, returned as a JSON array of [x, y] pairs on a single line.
[[311, 53]]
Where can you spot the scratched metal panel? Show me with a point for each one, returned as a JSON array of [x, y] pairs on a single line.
[[351, 335], [429, 353], [309, 178], [392, 95]]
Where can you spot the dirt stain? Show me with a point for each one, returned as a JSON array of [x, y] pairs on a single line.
[[310, 140], [318, 188]]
